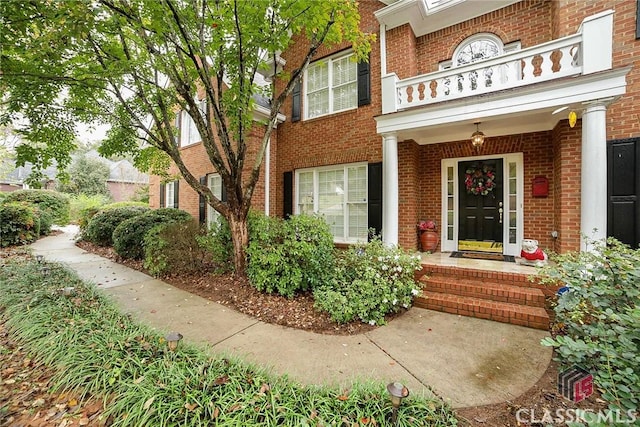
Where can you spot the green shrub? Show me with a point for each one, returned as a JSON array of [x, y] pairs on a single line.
[[101, 226], [116, 205], [19, 224], [82, 203], [87, 213], [128, 237], [217, 243], [371, 281], [52, 203], [174, 248], [289, 256], [598, 319]]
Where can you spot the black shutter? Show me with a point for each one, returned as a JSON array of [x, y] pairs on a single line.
[[288, 195], [374, 190], [176, 191], [364, 84], [202, 205], [162, 194], [223, 191], [295, 105]]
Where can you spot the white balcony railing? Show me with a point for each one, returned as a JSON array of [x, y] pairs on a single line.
[[581, 53]]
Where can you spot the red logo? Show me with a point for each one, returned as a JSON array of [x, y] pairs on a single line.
[[575, 384]]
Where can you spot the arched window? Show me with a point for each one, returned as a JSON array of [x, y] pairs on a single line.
[[476, 48]]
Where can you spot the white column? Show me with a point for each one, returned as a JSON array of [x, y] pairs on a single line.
[[267, 178], [390, 189], [593, 212]]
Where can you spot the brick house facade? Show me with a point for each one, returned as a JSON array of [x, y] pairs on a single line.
[[410, 141]]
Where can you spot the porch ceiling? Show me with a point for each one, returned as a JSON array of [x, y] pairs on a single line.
[[522, 110]]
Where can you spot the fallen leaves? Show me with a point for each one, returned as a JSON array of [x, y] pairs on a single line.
[[24, 396]]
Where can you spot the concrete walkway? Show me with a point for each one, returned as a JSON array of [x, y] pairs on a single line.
[[465, 361]]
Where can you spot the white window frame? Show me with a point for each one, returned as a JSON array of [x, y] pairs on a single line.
[[346, 204], [212, 214], [170, 194], [189, 134], [330, 61], [504, 48]]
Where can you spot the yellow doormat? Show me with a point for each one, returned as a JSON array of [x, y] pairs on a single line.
[[480, 246]]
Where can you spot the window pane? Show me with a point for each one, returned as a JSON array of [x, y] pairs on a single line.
[[305, 192], [169, 194], [318, 77], [345, 97], [318, 103], [358, 221], [357, 184], [512, 170], [512, 219], [512, 186], [449, 174], [331, 199], [476, 51], [344, 71], [215, 185]]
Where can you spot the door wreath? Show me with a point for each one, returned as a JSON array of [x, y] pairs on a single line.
[[479, 180]]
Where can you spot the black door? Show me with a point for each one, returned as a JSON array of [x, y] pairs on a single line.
[[480, 203], [623, 191]]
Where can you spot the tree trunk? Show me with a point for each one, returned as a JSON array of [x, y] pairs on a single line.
[[240, 240]]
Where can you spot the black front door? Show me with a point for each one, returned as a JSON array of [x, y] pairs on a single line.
[[623, 210], [480, 205]]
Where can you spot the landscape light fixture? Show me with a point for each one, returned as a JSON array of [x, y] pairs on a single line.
[[477, 138], [39, 259], [173, 338], [45, 271], [397, 391], [68, 291]]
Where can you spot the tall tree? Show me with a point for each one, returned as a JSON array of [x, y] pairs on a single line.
[[86, 176], [136, 63]]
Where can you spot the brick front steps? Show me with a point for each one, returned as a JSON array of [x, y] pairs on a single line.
[[502, 297]]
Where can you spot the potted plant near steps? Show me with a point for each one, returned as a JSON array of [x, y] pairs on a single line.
[[428, 233]]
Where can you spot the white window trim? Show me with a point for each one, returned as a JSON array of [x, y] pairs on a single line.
[[170, 194], [316, 189], [449, 245], [212, 214], [187, 123], [505, 48], [330, 60]]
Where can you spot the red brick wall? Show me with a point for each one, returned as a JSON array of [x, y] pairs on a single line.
[[527, 21], [197, 160], [567, 151], [339, 138], [402, 52], [123, 191], [622, 116]]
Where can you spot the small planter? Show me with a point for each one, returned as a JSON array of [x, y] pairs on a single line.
[[429, 240]]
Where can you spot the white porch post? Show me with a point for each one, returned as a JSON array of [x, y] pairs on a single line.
[[593, 211], [390, 189]]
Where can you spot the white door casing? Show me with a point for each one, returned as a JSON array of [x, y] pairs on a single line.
[[513, 187]]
